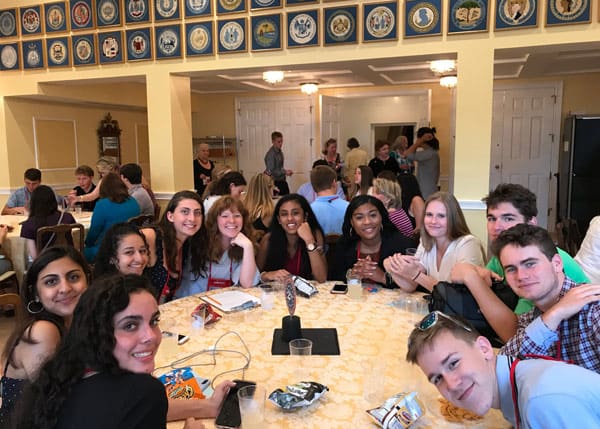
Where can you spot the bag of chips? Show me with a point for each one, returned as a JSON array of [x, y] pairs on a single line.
[[210, 315], [398, 412], [298, 395]]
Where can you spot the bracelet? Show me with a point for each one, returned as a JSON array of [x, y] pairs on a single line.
[[416, 277]]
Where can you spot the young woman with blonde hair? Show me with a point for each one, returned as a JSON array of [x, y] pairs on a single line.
[[445, 241], [259, 202]]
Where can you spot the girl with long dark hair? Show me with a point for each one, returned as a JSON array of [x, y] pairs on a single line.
[[295, 229]]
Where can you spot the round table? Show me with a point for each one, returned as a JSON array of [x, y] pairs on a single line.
[[372, 333]]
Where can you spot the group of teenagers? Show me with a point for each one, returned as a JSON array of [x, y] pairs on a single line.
[[82, 351]]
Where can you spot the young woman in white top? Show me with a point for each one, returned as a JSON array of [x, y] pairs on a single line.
[[445, 241]]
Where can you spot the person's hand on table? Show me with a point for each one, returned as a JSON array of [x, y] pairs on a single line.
[[218, 396], [282, 276], [192, 423], [366, 268], [403, 265]]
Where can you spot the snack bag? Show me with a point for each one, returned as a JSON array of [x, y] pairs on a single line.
[[398, 412], [183, 383], [210, 315], [298, 395]]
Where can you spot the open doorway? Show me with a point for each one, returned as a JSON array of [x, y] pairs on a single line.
[[390, 132]]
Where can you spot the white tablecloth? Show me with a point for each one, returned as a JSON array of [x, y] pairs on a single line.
[[369, 331]]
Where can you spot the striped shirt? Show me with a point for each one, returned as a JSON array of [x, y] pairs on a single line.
[[400, 219]]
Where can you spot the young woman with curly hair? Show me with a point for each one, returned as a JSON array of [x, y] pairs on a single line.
[[100, 375], [230, 250], [295, 229], [179, 236], [123, 250], [54, 283]]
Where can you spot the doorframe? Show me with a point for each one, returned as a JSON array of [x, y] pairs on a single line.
[[556, 144]]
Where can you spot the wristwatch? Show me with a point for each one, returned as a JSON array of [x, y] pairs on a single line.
[[311, 247]]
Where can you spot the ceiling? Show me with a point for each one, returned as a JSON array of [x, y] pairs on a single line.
[[508, 64]]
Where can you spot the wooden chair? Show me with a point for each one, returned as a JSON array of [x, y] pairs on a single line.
[[59, 234], [14, 301], [568, 236], [157, 210], [9, 280], [141, 220], [331, 243]]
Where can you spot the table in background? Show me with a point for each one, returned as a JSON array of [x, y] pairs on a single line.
[[15, 246], [368, 330]]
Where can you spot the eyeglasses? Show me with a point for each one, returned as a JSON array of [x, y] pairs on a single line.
[[434, 317]]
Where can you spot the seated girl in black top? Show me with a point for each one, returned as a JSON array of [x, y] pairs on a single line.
[[294, 228], [368, 237], [100, 375]]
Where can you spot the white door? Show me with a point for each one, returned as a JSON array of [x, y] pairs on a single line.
[[331, 118], [525, 143], [258, 117]]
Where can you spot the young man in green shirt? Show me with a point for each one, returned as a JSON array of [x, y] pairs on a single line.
[[507, 205]]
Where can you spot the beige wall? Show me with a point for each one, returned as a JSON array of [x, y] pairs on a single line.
[[20, 115]]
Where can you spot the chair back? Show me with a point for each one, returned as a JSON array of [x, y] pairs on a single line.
[[61, 234], [568, 236], [141, 220], [331, 243], [157, 210], [14, 300]]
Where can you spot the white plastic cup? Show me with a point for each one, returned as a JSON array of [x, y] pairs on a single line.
[[267, 299], [354, 283], [252, 406]]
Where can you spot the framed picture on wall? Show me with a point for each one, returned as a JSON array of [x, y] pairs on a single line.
[[380, 21], [168, 41], [8, 23], [303, 28], [560, 12], [108, 12], [57, 52], [468, 16], [33, 54], [266, 32], [232, 35], [9, 56], [56, 17], [31, 20], [199, 37], [137, 11], [516, 14], [340, 25], [84, 49], [194, 8], [422, 18], [230, 6], [139, 44], [82, 15], [299, 2], [110, 47], [166, 10], [264, 4]]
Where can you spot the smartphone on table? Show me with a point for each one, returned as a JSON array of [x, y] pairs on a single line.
[[229, 417], [340, 288]]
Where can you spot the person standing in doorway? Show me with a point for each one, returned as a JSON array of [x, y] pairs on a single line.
[[428, 160], [203, 168], [274, 164]]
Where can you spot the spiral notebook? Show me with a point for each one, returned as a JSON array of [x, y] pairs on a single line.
[[231, 300]]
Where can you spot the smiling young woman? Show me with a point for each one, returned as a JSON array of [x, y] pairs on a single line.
[[296, 229], [445, 241], [368, 237], [179, 236], [54, 283], [100, 375], [230, 249]]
